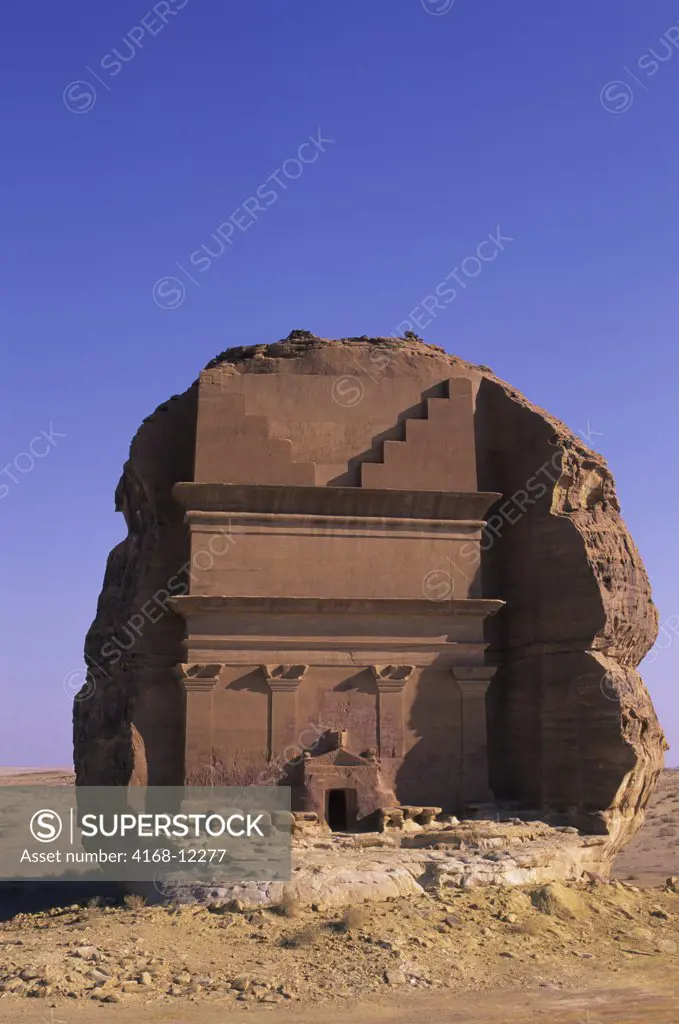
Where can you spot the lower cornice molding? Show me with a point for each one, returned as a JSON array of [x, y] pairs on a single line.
[[204, 604], [439, 656]]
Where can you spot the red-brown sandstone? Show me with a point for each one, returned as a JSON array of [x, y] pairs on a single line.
[[356, 591]]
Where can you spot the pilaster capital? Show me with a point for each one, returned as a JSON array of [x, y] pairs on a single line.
[[473, 679], [391, 678], [197, 676], [284, 678]]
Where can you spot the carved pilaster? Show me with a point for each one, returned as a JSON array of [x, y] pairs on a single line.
[[390, 680], [199, 681], [283, 682], [472, 682]]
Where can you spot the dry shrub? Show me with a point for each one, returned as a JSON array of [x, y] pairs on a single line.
[[532, 926], [353, 919], [133, 901], [307, 936], [288, 905]]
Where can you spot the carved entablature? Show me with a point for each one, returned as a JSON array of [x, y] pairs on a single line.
[[198, 676], [391, 678], [284, 677]]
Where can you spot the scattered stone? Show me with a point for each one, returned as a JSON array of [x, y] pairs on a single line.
[[100, 977], [13, 985], [87, 953]]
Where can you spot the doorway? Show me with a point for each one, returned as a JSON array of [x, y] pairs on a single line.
[[340, 809]]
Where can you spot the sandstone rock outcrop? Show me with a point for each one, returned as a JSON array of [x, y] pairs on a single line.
[[571, 729]]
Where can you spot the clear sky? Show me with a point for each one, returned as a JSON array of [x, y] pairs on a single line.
[[552, 122]]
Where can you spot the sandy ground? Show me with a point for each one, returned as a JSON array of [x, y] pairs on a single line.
[[492, 948], [587, 953], [36, 777], [653, 853], [640, 1002], [578, 954]]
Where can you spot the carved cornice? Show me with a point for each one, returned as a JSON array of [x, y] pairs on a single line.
[[362, 502], [391, 678], [200, 677], [284, 678], [197, 604]]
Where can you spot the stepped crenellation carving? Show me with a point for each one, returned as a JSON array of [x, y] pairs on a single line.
[[419, 460]]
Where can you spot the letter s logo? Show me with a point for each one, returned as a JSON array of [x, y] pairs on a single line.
[[46, 826]]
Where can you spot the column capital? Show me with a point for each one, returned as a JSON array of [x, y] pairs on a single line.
[[472, 678], [284, 678], [197, 676], [391, 678]]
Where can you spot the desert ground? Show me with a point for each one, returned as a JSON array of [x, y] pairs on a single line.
[[36, 777], [653, 853], [584, 953]]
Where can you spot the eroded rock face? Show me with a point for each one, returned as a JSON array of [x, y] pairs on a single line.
[[567, 699], [571, 727], [129, 651]]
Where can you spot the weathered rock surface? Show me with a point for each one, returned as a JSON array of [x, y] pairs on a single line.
[[572, 725], [572, 730], [348, 870]]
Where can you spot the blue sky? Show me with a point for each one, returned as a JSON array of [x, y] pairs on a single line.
[[552, 122]]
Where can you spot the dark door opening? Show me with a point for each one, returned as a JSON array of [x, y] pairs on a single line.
[[337, 809]]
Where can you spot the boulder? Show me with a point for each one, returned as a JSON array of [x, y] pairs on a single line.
[[572, 730]]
